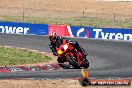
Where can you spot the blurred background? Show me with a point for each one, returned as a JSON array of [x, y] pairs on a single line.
[[96, 13]]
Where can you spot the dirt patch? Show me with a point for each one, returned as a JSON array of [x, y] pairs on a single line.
[[48, 84], [45, 7]]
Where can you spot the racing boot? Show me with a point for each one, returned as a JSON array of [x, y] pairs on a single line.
[[60, 62]]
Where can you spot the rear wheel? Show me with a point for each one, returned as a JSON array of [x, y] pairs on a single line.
[[85, 64], [72, 62]]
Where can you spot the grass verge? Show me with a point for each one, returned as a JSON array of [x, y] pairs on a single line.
[[13, 56], [76, 21]]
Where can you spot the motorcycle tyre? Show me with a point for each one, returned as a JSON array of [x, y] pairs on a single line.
[[87, 64], [72, 62]]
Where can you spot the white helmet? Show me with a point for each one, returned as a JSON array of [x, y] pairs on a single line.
[[53, 36]]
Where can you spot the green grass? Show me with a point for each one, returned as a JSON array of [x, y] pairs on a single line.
[[13, 56], [76, 21]]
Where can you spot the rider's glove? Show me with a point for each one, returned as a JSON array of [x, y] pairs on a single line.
[[69, 41]]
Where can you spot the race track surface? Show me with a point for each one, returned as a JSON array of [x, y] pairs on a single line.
[[108, 59]]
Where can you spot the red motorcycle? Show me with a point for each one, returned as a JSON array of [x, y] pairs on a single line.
[[70, 54]]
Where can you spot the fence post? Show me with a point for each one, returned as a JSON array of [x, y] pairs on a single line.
[[83, 18], [52, 19], [23, 13], [113, 19]]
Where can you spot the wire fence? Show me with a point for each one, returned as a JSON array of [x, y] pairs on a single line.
[[52, 16]]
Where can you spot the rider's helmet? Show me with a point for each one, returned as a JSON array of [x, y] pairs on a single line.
[[53, 37]]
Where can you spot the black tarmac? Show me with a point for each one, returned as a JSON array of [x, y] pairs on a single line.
[[108, 59]]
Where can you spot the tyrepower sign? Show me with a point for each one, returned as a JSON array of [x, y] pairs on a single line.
[[110, 33], [71, 31], [91, 32], [14, 30], [23, 28]]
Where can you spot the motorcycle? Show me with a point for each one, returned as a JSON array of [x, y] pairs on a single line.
[[70, 54]]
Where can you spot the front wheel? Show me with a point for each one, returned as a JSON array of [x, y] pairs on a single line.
[[61, 62], [72, 62]]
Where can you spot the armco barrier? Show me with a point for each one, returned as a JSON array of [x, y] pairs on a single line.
[[23, 28], [59, 29], [110, 33], [72, 31], [64, 30], [91, 32]]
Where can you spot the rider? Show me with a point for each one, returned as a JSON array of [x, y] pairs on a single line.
[[54, 39]]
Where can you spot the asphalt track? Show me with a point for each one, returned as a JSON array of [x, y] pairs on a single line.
[[108, 59]]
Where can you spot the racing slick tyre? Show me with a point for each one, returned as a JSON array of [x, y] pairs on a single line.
[[72, 62], [60, 60], [86, 64]]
